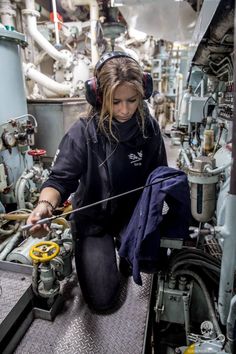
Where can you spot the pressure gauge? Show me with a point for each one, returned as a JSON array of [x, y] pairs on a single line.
[[9, 139]]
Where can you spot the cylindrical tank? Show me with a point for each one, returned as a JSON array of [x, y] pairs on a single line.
[[12, 93], [20, 254], [203, 189]]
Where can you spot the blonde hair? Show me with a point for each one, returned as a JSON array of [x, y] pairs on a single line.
[[113, 73]]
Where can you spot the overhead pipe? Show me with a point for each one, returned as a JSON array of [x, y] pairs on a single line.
[[31, 15], [45, 81], [94, 16]]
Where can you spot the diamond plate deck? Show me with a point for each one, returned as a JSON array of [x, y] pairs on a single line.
[[77, 329], [13, 286]]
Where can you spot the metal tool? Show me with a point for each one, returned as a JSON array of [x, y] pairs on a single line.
[[48, 220]]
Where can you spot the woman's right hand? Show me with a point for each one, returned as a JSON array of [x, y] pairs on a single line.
[[41, 211]]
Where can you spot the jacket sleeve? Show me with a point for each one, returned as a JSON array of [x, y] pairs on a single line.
[[69, 162]]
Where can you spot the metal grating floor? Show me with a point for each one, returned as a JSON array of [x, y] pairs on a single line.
[[76, 329]]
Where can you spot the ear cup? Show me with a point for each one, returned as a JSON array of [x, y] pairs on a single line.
[[147, 85], [92, 92]]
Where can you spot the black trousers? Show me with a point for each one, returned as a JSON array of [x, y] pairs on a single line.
[[95, 257], [97, 270]]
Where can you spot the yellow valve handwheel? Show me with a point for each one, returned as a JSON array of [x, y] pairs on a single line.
[[44, 251]]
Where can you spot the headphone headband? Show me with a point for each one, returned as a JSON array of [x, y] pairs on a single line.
[[110, 55]]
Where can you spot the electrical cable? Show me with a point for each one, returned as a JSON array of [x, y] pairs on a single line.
[[197, 263]]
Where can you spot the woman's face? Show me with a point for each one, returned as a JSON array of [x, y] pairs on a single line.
[[125, 102]]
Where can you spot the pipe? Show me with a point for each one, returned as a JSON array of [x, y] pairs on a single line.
[[45, 81], [5, 242], [7, 13], [231, 324], [10, 245], [31, 15], [4, 232], [218, 170], [20, 192], [186, 159], [94, 16]]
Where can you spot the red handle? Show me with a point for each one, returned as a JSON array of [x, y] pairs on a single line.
[[37, 152]]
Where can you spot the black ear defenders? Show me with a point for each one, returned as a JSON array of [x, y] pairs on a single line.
[[92, 92]]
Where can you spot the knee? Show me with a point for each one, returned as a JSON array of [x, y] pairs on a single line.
[[102, 298]]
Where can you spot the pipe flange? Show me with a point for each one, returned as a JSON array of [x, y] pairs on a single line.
[[28, 12]]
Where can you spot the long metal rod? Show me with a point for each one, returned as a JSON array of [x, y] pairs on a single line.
[[48, 220]]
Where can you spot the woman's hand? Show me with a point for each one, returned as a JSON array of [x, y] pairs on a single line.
[[43, 210]]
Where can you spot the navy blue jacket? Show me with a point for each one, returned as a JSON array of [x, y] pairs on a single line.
[[95, 167], [140, 241]]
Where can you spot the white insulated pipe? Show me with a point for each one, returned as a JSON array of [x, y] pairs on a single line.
[[7, 13], [45, 81], [31, 15], [12, 242], [217, 171], [20, 190], [94, 16]]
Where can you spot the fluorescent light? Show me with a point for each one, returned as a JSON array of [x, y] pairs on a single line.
[[114, 3]]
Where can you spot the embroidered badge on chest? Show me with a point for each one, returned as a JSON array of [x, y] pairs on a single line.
[[136, 159], [55, 157]]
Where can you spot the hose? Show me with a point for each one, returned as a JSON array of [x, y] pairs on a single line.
[[190, 254], [197, 263], [194, 257], [14, 217], [10, 245], [206, 294], [5, 242], [202, 256], [10, 232]]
